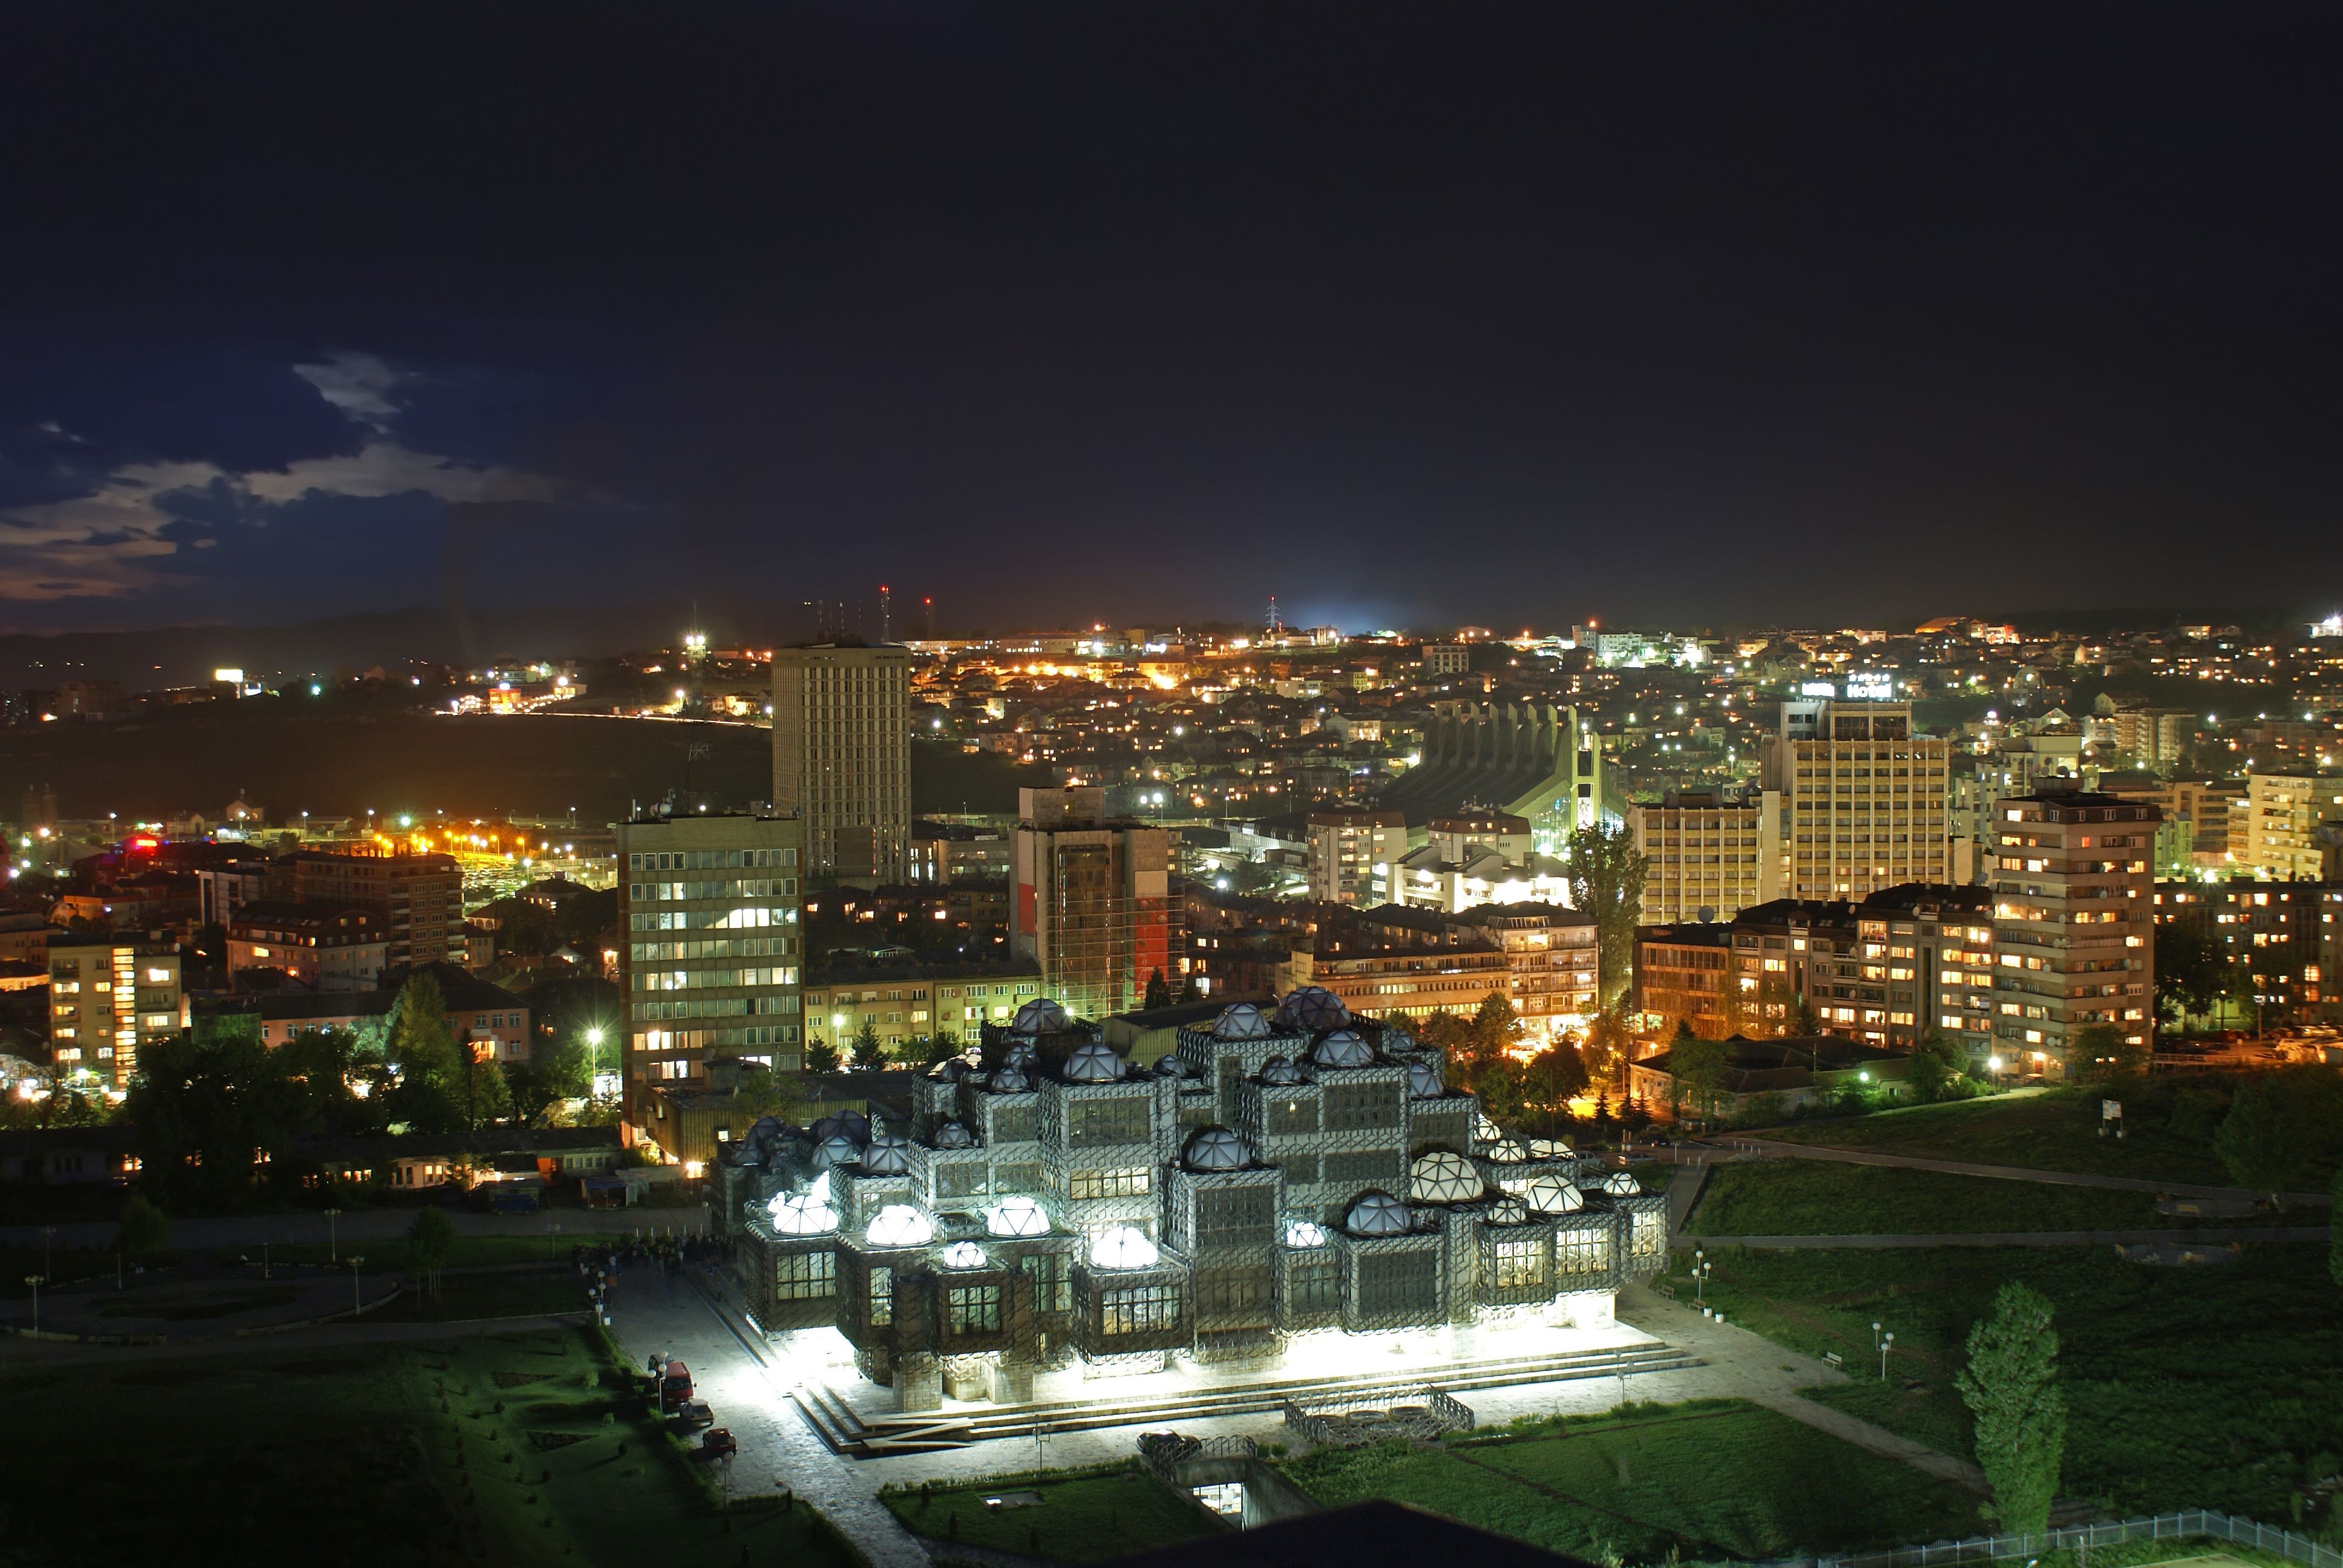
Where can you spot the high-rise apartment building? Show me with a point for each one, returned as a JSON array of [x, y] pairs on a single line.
[[1089, 901], [1351, 853], [2073, 892], [843, 756], [1863, 798], [711, 956], [107, 995], [416, 898], [1708, 851], [2283, 813]]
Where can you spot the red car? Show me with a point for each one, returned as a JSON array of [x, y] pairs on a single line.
[[674, 1386], [716, 1442]]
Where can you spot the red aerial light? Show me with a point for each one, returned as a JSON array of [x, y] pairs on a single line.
[[145, 841]]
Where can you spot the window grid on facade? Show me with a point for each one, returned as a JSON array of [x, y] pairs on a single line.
[[1139, 1309], [805, 1276]]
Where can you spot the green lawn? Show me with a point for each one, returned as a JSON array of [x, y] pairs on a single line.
[[519, 1449], [1078, 1520], [1821, 1198], [2167, 1137], [2217, 1387], [1712, 1480], [465, 1296]]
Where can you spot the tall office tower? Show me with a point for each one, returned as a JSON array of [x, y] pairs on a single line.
[[1091, 904], [1710, 851], [1863, 798], [107, 994], [843, 756], [710, 967], [417, 896], [2075, 914]]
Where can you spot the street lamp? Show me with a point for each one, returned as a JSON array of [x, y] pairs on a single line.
[[34, 1280], [1874, 1336], [48, 1235], [333, 1251], [1886, 1345], [552, 1238], [357, 1306]]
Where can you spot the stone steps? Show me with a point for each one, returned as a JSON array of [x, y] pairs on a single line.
[[847, 1432]]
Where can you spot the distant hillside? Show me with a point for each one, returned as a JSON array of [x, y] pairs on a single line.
[[292, 758]]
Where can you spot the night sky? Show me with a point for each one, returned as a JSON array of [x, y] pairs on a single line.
[[1404, 314]]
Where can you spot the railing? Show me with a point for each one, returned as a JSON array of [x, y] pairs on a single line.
[[1322, 1421], [1164, 1451], [2080, 1538]]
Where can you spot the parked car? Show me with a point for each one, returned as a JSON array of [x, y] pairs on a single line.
[[691, 1415], [674, 1386], [716, 1442]]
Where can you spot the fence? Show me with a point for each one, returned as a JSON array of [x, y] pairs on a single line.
[[1422, 1411], [1164, 1451], [2080, 1538]]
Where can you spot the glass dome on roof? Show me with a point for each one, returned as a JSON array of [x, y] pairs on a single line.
[[1485, 1130], [1216, 1149], [948, 1069], [1040, 1016], [805, 1213], [1618, 1184], [1016, 1216], [1020, 1053], [1094, 1062], [1343, 1048], [1553, 1195], [851, 1124], [1508, 1152], [899, 1225], [1168, 1065], [1378, 1214], [1008, 1080], [1305, 1234], [1549, 1148], [836, 1149], [1242, 1021], [1312, 1007], [1423, 1082], [1507, 1211], [952, 1135], [1123, 1247], [962, 1255], [1397, 1037], [887, 1155], [1281, 1072], [1442, 1176]]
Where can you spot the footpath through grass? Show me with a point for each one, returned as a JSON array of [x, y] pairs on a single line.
[[1079, 1518], [1706, 1480], [2168, 1133], [1823, 1198], [2213, 1387], [514, 1449]]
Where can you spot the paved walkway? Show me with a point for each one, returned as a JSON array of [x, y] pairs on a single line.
[[2004, 1172], [2216, 1236], [17, 1351], [653, 1311], [1746, 1365]]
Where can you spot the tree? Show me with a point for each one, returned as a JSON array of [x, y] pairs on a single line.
[[143, 1229], [2011, 1386], [869, 1054], [1489, 1036], [1934, 1072], [2279, 1126], [2099, 1053], [557, 1073], [1607, 1040], [488, 1097], [2335, 1235], [821, 1056], [1553, 1077], [1500, 1087], [1607, 882], [1188, 991], [1158, 991], [761, 1091], [430, 1242], [1699, 1068], [431, 1092], [2191, 971]]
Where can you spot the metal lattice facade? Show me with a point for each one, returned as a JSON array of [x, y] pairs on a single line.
[[1274, 1176]]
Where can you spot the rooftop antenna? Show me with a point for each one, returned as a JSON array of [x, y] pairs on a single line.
[[1276, 627], [886, 615]]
